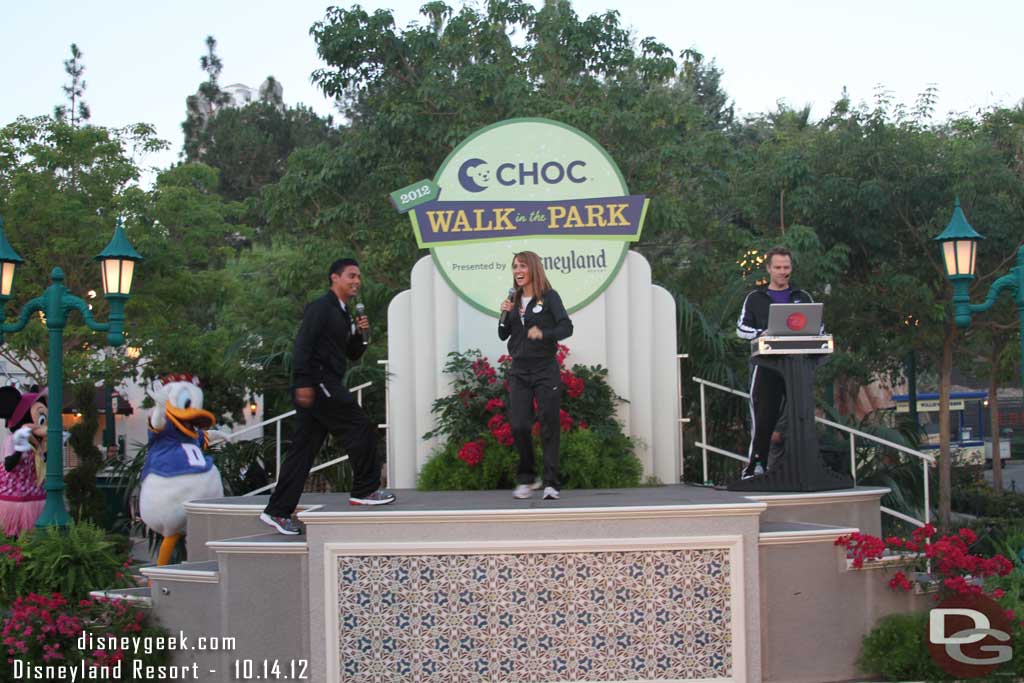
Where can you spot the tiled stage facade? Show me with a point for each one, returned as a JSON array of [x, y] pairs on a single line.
[[669, 583], [583, 616]]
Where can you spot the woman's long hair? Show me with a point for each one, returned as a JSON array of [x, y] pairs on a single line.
[[538, 279]]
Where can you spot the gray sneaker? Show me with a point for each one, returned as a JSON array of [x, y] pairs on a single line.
[[522, 492], [378, 497], [550, 493], [283, 525]]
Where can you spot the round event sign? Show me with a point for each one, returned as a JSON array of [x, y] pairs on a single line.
[[525, 185]]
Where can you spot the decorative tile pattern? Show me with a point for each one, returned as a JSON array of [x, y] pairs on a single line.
[[598, 616]]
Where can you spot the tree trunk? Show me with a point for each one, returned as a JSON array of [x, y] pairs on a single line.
[[993, 421], [945, 465], [782, 211], [993, 415]]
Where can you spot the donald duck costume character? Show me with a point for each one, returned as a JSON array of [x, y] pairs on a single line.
[[176, 469]]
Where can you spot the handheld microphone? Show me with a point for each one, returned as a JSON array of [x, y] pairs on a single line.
[[360, 312], [504, 314]]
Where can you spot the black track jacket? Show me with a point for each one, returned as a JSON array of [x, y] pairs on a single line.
[[324, 341], [550, 316]]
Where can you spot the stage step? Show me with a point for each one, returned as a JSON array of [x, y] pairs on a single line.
[[190, 572], [268, 542], [789, 533], [140, 597]]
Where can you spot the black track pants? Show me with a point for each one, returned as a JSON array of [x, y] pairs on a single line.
[[545, 385], [767, 392], [334, 411]]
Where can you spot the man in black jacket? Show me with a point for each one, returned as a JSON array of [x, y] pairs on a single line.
[[329, 333], [767, 390]]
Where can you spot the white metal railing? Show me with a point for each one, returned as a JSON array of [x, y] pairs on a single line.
[[925, 459], [683, 421], [276, 421]]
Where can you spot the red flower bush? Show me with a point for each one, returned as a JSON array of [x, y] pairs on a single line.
[[477, 407], [472, 452], [953, 567], [573, 385], [43, 629], [503, 434]]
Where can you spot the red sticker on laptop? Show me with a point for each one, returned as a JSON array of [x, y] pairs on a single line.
[[796, 321]]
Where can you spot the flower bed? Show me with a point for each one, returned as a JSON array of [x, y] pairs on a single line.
[[479, 453]]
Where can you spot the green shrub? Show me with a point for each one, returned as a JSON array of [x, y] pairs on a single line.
[[980, 500], [85, 501], [71, 561], [445, 471], [591, 460], [897, 650]]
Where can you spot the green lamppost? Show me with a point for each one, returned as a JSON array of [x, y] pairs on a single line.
[[117, 265], [959, 248]]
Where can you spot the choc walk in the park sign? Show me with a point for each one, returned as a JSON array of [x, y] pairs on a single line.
[[525, 185]]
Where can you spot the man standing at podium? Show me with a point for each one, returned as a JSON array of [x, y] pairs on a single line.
[[767, 390]]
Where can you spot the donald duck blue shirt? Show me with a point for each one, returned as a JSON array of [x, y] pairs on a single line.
[[173, 452]]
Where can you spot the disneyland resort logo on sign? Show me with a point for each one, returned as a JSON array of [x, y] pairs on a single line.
[[525, 185]]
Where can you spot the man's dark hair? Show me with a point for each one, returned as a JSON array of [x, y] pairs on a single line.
[[778, 251], [339, 267]]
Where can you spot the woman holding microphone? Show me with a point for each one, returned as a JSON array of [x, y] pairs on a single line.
[[534, 320]]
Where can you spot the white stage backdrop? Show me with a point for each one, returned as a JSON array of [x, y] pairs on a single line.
[[629, 329]]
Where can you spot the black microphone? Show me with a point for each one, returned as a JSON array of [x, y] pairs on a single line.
[[360, 312], [504, 314]]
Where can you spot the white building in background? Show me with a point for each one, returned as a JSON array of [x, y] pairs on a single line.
[[130, 418]]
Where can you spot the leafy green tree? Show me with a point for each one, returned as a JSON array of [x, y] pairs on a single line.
[[250, 145], [61, 188], [187, 232]]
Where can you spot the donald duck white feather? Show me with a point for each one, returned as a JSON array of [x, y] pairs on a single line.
[[177, 469]]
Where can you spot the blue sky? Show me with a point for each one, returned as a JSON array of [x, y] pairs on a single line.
[[142, 59]]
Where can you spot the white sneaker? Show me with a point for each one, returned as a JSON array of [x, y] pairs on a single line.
[[550, 493], [537, 485], [522, 492]]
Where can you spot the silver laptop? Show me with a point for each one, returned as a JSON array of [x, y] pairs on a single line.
[[794, 320]]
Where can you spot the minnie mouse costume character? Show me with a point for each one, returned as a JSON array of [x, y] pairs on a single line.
[[22, 495]]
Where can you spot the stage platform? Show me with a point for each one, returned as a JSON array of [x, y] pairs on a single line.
[[668, 583]]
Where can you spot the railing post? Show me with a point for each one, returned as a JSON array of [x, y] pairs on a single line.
[[927, 495], [703, 432], [679, 394], [853, 458], [277, 453]]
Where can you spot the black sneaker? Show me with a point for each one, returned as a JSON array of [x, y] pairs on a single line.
[[283, 525], [378, 497], [752, 469]]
